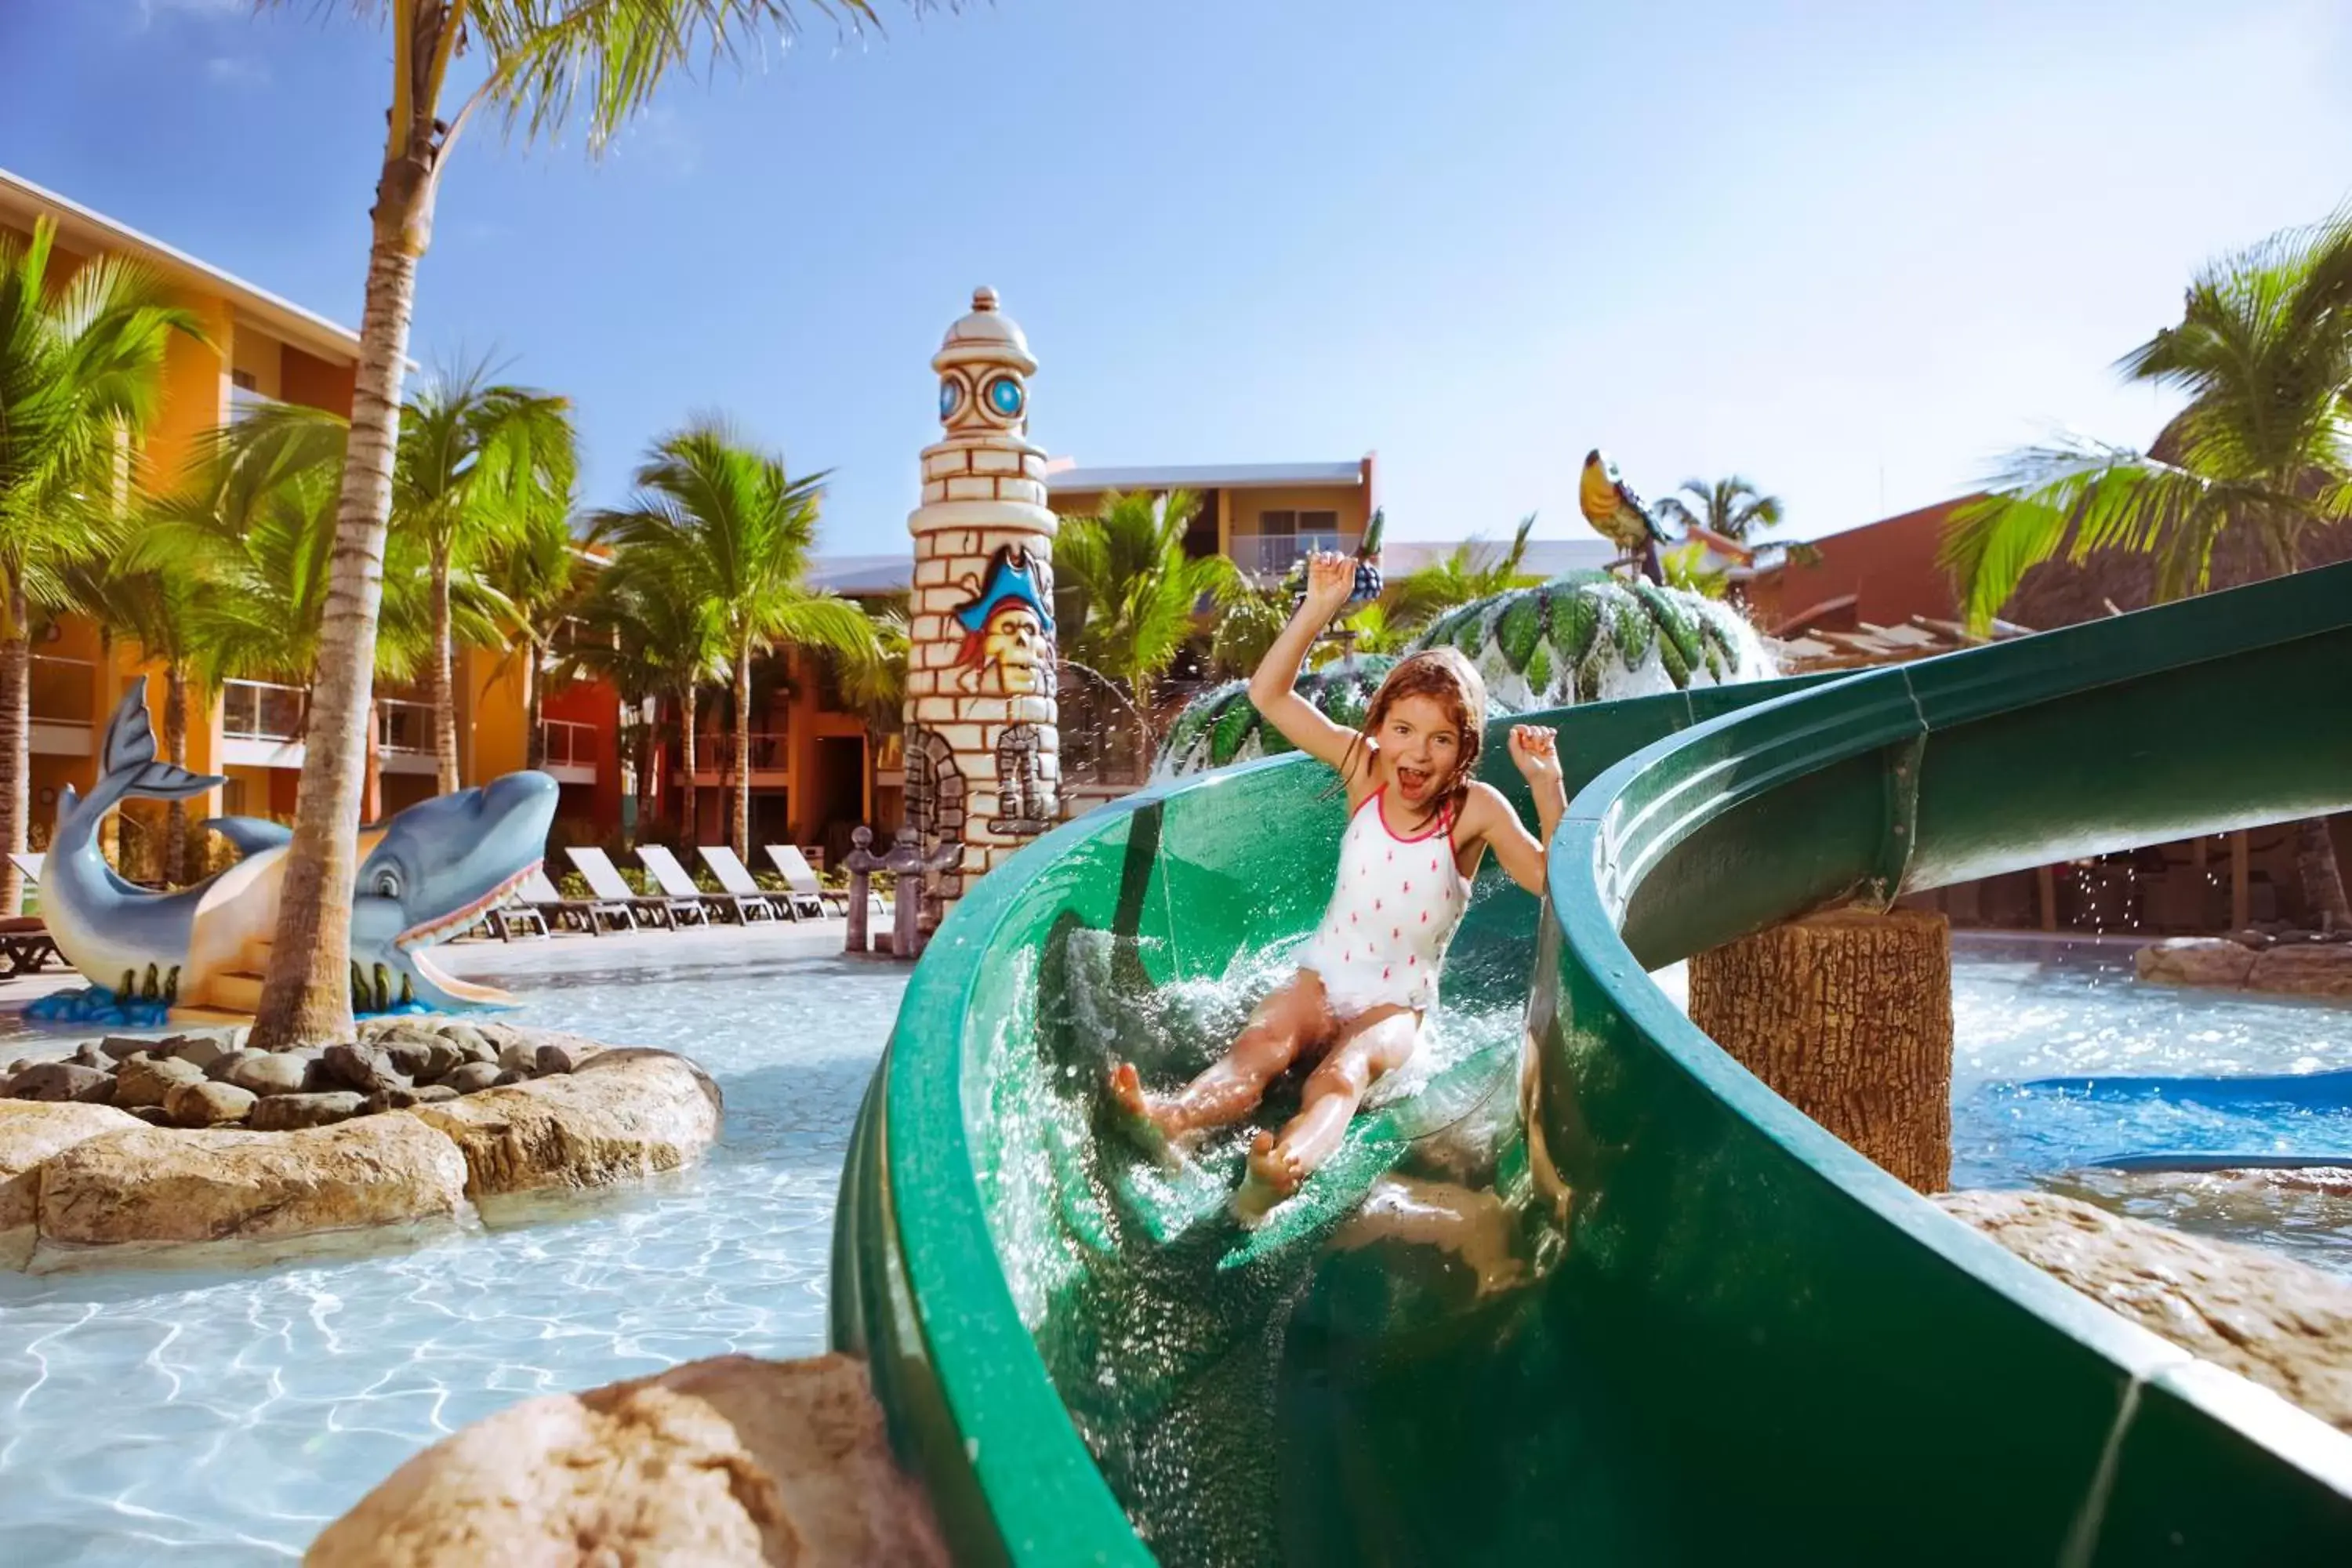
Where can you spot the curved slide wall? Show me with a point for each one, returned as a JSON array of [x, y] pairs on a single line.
[[1739, 1337]]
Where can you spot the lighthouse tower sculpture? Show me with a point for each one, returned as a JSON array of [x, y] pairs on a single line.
[[983, 754]]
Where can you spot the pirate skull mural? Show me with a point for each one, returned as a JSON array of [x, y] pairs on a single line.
[[1008, 642]]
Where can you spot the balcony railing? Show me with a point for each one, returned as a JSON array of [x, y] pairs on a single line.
[[245, 400], [404, 726], [1274, 554], [61, 689], [261, 710], [566, 743], [770, 752]]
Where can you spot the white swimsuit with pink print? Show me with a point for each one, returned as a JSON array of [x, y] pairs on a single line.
[[1396, 906]]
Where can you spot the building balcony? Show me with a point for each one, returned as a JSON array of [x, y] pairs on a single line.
[[261, 724], [403, 736], [62, 704], [771, 753], [1274, 554], [568, 751]]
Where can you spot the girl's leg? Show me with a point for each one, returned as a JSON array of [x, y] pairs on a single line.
[[1293, 1016], [1379, 1042]]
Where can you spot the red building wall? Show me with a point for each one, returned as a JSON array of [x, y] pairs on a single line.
[[1889, 568]]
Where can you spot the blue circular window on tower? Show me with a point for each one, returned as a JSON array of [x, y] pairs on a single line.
[[1004, 396], [950, 396]]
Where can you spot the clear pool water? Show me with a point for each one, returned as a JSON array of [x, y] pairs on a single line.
[[224, 1417], [2025, 1008]]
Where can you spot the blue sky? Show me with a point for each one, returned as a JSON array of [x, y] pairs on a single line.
[[1852, 251]]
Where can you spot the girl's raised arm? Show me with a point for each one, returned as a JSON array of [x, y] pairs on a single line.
[[1521, 853], [1330, 581]]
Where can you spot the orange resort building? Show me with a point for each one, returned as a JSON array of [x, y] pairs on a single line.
[[811, 767]]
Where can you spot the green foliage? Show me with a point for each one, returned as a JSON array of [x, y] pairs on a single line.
[[1732, 507], [731, 531], [254, 528], [2264, 351], [81, 362], [1127, 598], [1475, 570], [1684, 569]]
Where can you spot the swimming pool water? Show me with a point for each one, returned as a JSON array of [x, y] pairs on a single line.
[[224, 1416]]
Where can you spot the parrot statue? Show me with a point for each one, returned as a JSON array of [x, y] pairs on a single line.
[[1617, 514]]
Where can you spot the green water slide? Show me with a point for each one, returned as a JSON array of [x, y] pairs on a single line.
[[1726, 1336]]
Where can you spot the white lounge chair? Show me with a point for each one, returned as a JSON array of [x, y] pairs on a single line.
[[806, 894], [605, 880], [541, 898], [737, 878], [678, 883], [517, 917]]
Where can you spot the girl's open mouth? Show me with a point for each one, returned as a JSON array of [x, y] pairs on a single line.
[[1413, 781]]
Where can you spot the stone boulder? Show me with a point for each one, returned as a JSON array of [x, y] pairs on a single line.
[[63, 1081], [470, 1076], [725, 1462], [2266, 1317], [267, 1072], [291, 1113], [201, 1050], [2194, 960], [156, 1185], [622, 1114], [147, 1080], [29, 1133], [205, 1103], [2304, 969], [364, 1068]]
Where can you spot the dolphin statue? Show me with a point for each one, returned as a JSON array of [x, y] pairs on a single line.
[[426, 874]]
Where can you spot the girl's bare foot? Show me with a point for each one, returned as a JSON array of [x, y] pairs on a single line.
[[1274, 1175], [1142, 1121], [1278, 1168], [1126, 1088]]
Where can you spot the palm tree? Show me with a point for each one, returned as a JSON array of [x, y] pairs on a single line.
[[1732, 507], [1127, 597], [730, 528], [157, 609], [1474, 570], [645, 639], [82, 363], [2263, 449], [543, 577], [478, 461], [542, 64]]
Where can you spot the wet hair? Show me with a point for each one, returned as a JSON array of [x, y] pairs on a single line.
[[1445, 675]]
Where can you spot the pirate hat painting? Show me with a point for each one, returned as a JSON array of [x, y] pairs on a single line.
[[1007, 623]]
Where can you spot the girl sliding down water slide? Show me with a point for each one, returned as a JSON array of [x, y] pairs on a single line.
[[1418, 824]]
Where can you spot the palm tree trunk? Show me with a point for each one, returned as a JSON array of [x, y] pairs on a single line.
[[440, 680], [645, 779], [534, 745], [686, 803], [15, 747], [743, 753], [372, 776], [306, 996], [2323, 880], [175, 748]]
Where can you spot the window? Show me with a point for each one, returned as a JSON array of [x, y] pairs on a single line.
[[243, 381], [1288, 523]]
